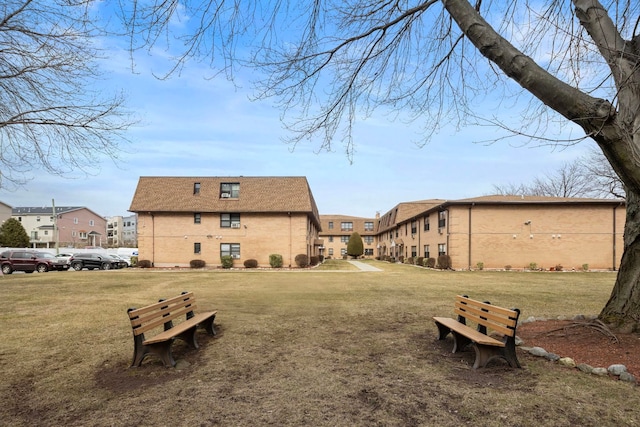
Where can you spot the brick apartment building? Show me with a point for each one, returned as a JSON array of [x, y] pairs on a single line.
[[185, 218]]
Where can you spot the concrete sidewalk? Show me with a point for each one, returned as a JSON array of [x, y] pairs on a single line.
[[364, 267]]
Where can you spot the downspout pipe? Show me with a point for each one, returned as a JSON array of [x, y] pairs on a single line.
[[469, 237]]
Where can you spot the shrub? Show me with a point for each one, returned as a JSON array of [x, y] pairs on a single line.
[[144, 263], [558, 267], [401, 259], [134, 261], [197, 263], [251, 263], [275, 260], [430, 262], [420, 261], [314, 260], [321, 258], [480, 265], [444, 262], [355, 246], [533, 266], [226, 261], [585, 267], [408, 260], [507, 267], [302, 260]]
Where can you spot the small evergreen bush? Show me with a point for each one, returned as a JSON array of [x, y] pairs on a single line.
[[420, 261], [144, 263], [197, 263], [480, 265], [134, 261], [314, 260], [275, 260], [444, 262], [251, 263], [302, 260], [507, 267], [226, 261], [430, 263]]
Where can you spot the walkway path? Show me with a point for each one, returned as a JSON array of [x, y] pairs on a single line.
[[364, 267]]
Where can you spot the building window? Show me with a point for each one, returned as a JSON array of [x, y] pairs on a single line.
[[37, 219], [229, 190], [442, 219], [82, 234], [230, 249], [330, 239], [196, 188], [414, 227], [368, 226], [346, 226], [442, 249], [426, 223], [368, 240], [92, 222], [75, 220], [196, 248], [197, 218], [330, 225], [414, 251], [344, 239], [230, 220], [343, 252], [426, 251], [330, 251], [368, 251]]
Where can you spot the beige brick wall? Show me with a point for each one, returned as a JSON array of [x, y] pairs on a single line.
[[168, 239], [566, 235]]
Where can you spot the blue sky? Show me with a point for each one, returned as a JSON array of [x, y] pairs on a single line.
[[194, 126]]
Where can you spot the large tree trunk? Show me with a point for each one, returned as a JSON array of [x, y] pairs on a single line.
[[623, 308], [616, 130]]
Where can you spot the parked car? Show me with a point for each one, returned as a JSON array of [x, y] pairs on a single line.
[[64, 256], [24, 260], [92, 261], [57, 263], [122, 263]]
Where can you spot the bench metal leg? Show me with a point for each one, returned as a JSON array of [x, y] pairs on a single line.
[[208, 325], [189, 336], [485, 354], [443, 331], [161, 350], [460, 342]]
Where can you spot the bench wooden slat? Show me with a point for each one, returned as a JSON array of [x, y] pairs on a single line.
[[180, 328], [469, 332], [495, 308], [139, 312], [146, 325]]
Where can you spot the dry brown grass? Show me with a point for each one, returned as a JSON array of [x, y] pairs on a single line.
[[294, 348]]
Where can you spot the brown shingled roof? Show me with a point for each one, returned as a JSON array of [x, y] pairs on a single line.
[[257, 194]]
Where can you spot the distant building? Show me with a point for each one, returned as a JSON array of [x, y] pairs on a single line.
[[502, 231], [122, 231], [337, 229], [75, 226], [5, 212], [186, 218]]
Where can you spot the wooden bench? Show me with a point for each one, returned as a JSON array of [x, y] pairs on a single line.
[[487, 317], [160, 317]]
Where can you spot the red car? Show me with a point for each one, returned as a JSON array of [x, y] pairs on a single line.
[[25, 260]]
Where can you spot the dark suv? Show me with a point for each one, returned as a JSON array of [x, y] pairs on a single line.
[[24, 260], [91, 261]]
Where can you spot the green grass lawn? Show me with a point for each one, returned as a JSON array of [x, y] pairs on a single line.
[[329, 346]]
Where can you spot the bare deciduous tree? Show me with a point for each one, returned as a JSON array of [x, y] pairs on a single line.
[[52, 116], [326, 63], [588, 176]]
